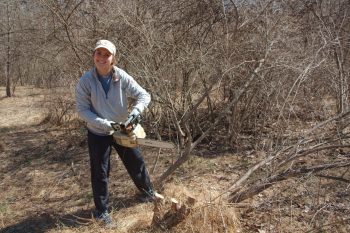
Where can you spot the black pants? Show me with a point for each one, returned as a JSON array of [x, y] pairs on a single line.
[[100, 148]]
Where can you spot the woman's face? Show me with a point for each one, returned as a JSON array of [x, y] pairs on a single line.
[[103, 61]]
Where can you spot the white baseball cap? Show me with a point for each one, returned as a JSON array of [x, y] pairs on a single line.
[[107, 45]]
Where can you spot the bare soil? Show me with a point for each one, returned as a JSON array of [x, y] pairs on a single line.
[[45, 184], [45, 179]]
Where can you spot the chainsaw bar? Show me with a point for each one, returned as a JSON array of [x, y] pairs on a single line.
[[127, 141], [154, 143]]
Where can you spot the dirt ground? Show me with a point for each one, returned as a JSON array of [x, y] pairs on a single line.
[[45, 184], [45, 180]]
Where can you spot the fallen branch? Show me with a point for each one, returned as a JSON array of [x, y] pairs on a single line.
[[255, 189], [334, 178], [287, 156]]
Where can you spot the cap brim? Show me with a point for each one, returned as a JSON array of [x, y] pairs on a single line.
[[104, 47]]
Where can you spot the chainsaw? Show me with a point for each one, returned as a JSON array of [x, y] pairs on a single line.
[[131, 134]]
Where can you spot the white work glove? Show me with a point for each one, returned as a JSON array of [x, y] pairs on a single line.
[[107, 125]]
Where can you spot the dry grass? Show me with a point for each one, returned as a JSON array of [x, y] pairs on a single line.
[[46, 186], [23, 108], [206, 215]]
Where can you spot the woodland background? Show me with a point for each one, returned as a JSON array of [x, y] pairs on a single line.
[[264, 80]]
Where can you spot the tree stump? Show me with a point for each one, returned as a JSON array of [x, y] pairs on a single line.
[[175, 215]]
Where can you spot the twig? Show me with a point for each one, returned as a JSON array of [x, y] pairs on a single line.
[[334, 178], [253, 190], [329, 224]]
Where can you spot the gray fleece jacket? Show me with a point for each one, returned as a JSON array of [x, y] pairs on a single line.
[[99, 109]]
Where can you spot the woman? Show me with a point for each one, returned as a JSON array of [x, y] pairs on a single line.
[[101, 98]]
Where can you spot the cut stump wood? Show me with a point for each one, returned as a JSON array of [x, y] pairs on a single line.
[[174, 215], [175, 205]]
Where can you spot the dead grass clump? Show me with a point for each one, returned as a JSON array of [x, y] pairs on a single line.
[[204, 216], [23, 109], [2, 147], [211, 217], [135, 219]]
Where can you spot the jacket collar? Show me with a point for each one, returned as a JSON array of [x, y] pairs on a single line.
[[115, 76]]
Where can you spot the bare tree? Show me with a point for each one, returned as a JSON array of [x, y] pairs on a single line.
[[8, 49]]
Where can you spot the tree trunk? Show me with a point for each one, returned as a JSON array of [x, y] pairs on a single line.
[[8, 78]]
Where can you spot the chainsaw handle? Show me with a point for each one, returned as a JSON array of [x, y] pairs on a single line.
[[128, 125], [115, 126], [128, 121], [131, 121], [121, 127]]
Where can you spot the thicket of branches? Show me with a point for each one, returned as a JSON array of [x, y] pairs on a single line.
[[229, 75]]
